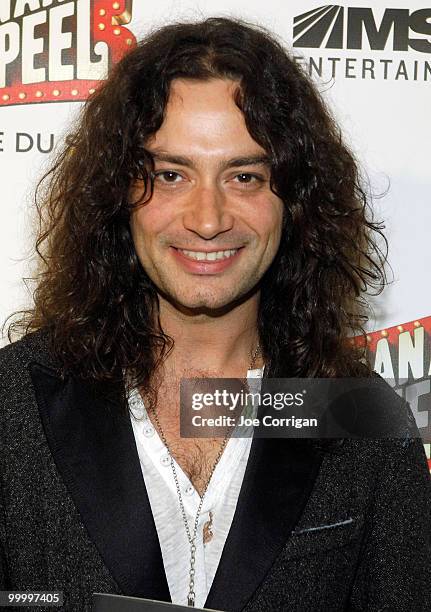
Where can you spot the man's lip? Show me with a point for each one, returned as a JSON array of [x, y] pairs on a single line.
[[232, 248], [203, 266]]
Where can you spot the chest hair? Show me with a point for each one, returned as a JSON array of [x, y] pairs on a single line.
[[195, 456]]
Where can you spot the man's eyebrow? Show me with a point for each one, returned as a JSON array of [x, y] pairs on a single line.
[[236, 162], [253, 160]]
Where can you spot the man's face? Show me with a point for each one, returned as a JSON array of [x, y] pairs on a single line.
[[212, 226]]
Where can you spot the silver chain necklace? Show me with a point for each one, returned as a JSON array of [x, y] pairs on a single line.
[[192, 537]]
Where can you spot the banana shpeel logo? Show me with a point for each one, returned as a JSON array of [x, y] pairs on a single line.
[[59, 50], [402, 355]]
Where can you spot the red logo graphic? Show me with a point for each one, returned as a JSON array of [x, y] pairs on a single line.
[[59, 50], [402, 354]]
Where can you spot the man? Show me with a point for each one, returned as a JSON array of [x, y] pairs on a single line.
[[204, 220]]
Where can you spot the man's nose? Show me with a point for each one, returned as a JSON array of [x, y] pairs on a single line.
[[207, 212]]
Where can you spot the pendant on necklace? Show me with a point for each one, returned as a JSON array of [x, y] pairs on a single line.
[[207, 531], [191, 601]]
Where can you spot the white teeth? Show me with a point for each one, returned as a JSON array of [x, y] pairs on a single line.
[[215, 255]]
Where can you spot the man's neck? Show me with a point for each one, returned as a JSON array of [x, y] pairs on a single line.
[[219, 344], [205, 346]]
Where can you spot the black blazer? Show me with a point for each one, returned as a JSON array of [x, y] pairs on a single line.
[[345, 530]]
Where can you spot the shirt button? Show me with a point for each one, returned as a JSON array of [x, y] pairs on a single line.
[[148, 432], [189, 490], [165, 460]]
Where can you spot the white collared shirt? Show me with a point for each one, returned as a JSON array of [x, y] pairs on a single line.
[[220, 499]]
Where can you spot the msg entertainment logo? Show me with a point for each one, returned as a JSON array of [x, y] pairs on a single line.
[[336, 27]]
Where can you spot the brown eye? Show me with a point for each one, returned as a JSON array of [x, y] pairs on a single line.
[[245, 178], [248, 179], [167, 176]]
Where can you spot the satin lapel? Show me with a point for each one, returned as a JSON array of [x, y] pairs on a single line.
[[94, 449], [277, 483]]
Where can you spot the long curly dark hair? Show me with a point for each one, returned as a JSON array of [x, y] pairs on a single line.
[[93, 295]]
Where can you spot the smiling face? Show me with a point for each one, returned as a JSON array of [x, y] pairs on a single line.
[[212, 226]]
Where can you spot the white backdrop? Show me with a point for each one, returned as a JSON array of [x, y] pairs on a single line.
[[379, 91]]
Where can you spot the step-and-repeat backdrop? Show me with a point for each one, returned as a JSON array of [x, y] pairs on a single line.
[[370, 59]]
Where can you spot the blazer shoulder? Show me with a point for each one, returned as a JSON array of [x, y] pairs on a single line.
[[369, 411], [378, 408], [17, 356]]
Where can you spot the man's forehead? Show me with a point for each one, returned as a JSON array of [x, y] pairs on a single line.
[[211, 100], [246, 157], [184, 89], [205, 127]]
